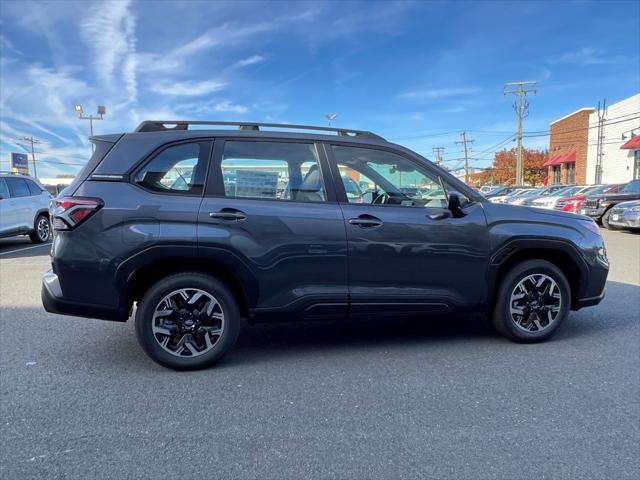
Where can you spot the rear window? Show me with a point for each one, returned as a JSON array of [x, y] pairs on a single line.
[[177, 169], [34, 188]]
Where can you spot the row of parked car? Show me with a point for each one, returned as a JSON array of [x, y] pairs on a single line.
[[611, 205]]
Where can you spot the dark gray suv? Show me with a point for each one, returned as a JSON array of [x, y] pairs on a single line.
[[200, 228]]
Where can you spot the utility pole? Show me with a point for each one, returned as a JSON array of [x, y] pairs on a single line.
[[520, 89], [32, 141], [465, 141], [602, 117], [437, 153]]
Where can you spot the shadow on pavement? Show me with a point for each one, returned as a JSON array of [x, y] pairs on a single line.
[[115, 344]]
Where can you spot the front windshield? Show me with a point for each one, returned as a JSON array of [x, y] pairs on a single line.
[[567, 192]]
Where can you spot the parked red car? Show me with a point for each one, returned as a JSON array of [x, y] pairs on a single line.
[[574, 203]]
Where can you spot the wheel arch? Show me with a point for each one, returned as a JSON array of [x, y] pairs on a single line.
[[561, 254], [140, 280]]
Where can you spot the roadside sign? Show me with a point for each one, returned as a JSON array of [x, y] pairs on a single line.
[[20, 163]]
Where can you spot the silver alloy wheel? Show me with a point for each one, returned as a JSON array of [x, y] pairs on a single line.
[[535, 303], [43, 229], [188, 322]]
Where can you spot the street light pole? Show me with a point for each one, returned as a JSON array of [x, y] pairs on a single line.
[[101, 112], [330, 117]]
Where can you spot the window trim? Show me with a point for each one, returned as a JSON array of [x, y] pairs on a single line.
[[215, 183], [2, 179], [133, 172], [342, 196]]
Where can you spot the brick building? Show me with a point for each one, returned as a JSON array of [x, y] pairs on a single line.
[[568, 147]]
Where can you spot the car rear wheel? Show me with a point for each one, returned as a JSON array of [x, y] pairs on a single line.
[[533, 300], [187, 321], [41, 229]]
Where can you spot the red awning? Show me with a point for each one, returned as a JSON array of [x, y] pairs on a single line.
[[633, 144], [551, 161], [559, 159], [568, 158]]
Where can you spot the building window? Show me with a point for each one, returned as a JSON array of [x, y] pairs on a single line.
[[557, 174], [571, 173], [636, 164]]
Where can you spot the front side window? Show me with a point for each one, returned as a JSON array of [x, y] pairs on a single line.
[[177, 169], [18, 187], [631, 187], [273, 171], [387, 178]]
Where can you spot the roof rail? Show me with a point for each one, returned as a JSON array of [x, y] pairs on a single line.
[[172, 125]]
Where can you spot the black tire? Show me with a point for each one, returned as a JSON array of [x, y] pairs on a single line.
[[41, 229], [210, 285], [605, 220], [502, 318]]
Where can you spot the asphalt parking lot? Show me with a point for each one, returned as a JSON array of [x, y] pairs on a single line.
[[439, 398]]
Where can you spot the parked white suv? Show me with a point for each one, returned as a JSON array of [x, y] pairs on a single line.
[[24, 208]]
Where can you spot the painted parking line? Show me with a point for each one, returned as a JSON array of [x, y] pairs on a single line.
[[25, 248]]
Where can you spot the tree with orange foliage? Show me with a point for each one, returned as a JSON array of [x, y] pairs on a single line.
[[503, 169]]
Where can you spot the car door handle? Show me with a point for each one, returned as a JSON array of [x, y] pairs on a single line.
[[366, 221], [229, 214], [439, 216]]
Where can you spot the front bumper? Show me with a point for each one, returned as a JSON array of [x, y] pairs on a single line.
[[625, 219], [593, 212], [54, 302]]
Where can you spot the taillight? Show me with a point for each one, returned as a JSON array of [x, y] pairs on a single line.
[[69, 212]]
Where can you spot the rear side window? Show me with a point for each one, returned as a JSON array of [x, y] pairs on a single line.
[[178, 169], [272, 170], [34, 189], [18, 187], [4, 190]]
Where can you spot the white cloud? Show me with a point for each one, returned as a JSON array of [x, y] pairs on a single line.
[[228, 106], [187, 89], [436, 93], [110, 31], [583, 56], [245, 62]]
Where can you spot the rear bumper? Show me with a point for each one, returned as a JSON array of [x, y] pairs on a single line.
[[54, 302]]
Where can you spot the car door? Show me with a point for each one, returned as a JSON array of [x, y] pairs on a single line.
[[21, 203], [270, 215], [39, 197], [7, 210], [407, 252]]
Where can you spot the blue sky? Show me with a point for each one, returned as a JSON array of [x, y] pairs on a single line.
[[418, 73]]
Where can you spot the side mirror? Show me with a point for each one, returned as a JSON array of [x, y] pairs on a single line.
[[456, 204]]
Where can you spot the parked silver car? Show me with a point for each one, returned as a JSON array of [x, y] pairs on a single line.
[[626, 215], [24, 208]]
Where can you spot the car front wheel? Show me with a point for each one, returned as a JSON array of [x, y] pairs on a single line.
[[187, 321], [533, 300]]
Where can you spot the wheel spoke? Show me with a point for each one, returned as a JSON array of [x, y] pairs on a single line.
[[179, 329], [535, 302]]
